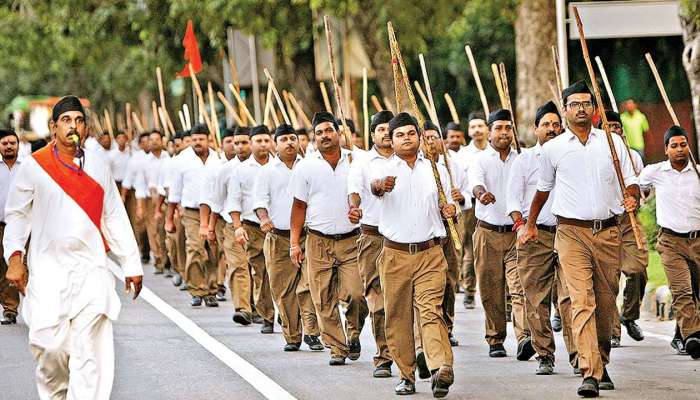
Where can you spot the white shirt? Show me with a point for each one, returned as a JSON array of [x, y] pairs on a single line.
[[147, 175], [459, 171], [133, 168], [677, 195], [522, 185], [489, 171], [584, 176], [222, 183], [25, 149], [7, 176], [410, 212], [359, 182], [325, 192], [67, 261], [118, 161], [189, 177], [271, 192], [240, 191], [467, 154]]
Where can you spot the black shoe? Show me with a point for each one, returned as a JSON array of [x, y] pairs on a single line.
[[355, 349], [168, 273], [405, 387], [196, 301], [606, 383], [9, 318], [242, 318], [382, 371], [497, 351], [184, 286], [221, 294], [257, 319], [423, 371], [441, 381], [525, 350], [589, 388], [692, 346], [145, 258], [453, 342], [313, 342], [615, 342], [546, 366], [267, 327], [336, 360], [556, 323], [210, 301], [177, 279], [292, 347], [158, 272], [677, 343], [468, 302], [634, 331]]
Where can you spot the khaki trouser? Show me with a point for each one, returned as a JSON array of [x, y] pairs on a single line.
[[537, 267], [239, 271], [681, 259], [634, 266], [368, 249], [415, 279], [261, 281], [333, 278], [495, 262], [222, 265], [467, 273], [9, 295], [591, 266], [285, 278], [175, 246], [200, 267], [137, 224], [453, 258], [155, 230]]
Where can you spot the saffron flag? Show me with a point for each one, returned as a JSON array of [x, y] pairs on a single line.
[[191, 52]]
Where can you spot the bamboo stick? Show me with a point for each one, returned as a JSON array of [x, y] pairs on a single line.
[[506, 94], [280, 103], [477, 79], [324, 93], [108, 124], [300, 110], [453, 109], [375, 102], [336, 88], [365, 111], [499, 85], [242, 104]]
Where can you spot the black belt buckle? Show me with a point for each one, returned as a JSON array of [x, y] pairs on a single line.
[[337, 237], [502, 229], [693, 235], [412, 248], [597, 226]]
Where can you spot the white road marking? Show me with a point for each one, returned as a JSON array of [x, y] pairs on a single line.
[[259, 381]]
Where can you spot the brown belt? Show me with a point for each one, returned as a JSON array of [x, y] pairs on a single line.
[[597, 225], [370, 230], [692, 235], [495, 228], [251, 223], [281, 232], [548, 228], [339, 236], [412, 248]]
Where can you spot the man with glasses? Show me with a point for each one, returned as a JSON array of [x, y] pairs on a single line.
[[578, 163]]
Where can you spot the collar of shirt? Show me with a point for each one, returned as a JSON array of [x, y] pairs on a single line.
[[276, 162], [344, 154], [494, 153], [593, 134], [666, 166], [252, 161], [17, 162]]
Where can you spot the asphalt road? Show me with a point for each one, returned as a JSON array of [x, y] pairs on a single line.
[[157, 359]]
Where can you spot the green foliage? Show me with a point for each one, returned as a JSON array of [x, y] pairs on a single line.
[[647, 218]]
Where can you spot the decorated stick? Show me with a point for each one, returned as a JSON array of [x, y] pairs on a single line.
[[506, 94], [442, 199], [242, 104], [613, 103], [365, 111], [326, 101], [375, 102], [613, 152], [477, 79], [336, 89], [669, 107], [280, 103], [453, 109]]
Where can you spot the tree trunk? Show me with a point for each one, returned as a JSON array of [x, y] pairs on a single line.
[[535, 33], [376, 43], [690, 24]]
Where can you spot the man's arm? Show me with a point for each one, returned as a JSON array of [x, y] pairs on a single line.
[[297, 220], [531, 226], [18, 211]]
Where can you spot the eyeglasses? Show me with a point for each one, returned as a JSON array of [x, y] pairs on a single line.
[[586, 105]]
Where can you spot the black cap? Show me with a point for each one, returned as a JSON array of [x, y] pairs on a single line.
[[452, 126], [259, 130], [199, 129], [402, 119], [284, 129], [8, 132], [611, 116], [430, 126], [302, 131], [674, 130], [65, 104], [321, 117], [348, 122], [228, 132], [546, 108], [499, 115], [382, 117], [242, 130], [187, 133], [476, 115], [577, 87]]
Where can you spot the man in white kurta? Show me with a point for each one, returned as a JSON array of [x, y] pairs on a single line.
[[73, 211]]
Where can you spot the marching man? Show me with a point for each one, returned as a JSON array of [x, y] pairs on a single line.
[[66, 198]]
